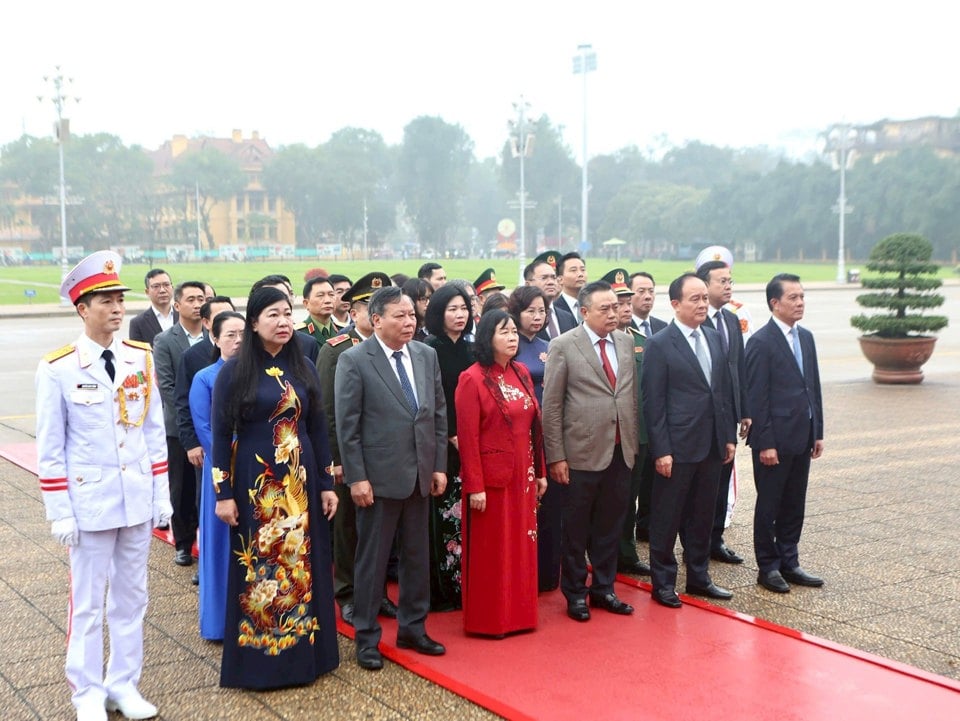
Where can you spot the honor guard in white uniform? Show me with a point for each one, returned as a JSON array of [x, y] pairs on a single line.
[[103, 476]]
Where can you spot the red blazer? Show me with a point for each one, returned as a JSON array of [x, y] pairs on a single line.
[[491, 454]]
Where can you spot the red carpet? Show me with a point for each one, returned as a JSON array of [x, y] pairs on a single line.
[[701, 662]]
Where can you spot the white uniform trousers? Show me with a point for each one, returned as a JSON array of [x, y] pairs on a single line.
[[118, 556]]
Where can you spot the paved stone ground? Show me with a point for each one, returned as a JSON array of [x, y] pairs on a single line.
[[882, 518]]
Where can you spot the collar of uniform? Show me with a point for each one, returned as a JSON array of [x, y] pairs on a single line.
[[89, 350]]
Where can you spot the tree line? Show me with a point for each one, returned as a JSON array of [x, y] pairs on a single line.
[[432, 189]]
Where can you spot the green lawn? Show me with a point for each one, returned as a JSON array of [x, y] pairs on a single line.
[[235, 279]]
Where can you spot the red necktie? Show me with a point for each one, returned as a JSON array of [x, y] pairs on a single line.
[[608, 369]]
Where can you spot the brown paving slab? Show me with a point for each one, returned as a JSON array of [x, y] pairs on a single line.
[[42, 671], [34, 646], [206, 705], [50, 702]]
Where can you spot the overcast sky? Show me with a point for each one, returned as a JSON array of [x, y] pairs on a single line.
[[737, 73]]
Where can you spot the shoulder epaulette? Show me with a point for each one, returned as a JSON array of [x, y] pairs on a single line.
[[300, 326], [736, 303], [338, 339], [59, 353], [137, 344]]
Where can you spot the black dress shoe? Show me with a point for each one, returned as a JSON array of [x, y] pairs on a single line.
[[421, 644], [388, 609], [800, 577], [577, 610], [634, 568], [642, 534], [346, 613], [710, 591], [183, 557], [611, 603], [666, 597], [773, 581], [725, 555], [370, 659], [196, 579]]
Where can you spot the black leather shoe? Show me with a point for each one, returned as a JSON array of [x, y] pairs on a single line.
[[370, 659], [642, 534], [196, 579], [183, 557], [711, 591], [773, 581], [577, 610], [422, 644], [666, 597], [634, 568], [725, 555], [800, 577], [611, 603], [346, 613], [388, 609]]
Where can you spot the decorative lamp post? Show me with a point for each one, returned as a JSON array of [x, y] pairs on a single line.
[[60, 86], [840, 140], [584, 62], [521, 146]]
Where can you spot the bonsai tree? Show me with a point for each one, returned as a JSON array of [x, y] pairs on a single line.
[[906, 282]]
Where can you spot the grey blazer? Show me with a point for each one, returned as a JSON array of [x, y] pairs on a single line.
[[581, 410], [168, 346], [380, 438]]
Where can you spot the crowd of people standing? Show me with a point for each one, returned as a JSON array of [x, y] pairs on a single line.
[[477, 447]]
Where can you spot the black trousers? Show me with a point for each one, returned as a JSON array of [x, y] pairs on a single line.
[[628, 539], [778, 515], [183, 495], [549, 525], [592, 521], [686, 500]]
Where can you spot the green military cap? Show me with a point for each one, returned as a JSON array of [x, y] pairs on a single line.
[[367, 286], [619, 280], [487, 281], [550, 257]]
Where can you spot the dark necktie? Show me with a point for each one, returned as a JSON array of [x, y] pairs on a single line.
[[608, 369], [405, 382], [553, 329], [722, 329], [107, 356], [645, 329]]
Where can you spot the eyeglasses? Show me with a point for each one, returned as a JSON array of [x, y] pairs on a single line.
[[158, 286]]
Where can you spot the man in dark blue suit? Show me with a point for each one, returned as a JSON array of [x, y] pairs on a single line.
[[783, 388], [691, 435]]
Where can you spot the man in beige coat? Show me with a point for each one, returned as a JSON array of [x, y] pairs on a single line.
[[590, 438]]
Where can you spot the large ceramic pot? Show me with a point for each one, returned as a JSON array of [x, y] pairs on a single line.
[[897, 360]]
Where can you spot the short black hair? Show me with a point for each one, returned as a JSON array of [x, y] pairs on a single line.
[[178, 291], [426, 270], [583, 297], [676, 287], [643, 274], [338, 278], [489, 324], [433, 318], [153, 273], [775, 286], [522, 298], [315, 280], [703, 272], [568, 256], [271, 280], [205, 308]]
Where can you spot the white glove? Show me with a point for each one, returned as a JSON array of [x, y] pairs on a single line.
[[162, 513], [65, 531]]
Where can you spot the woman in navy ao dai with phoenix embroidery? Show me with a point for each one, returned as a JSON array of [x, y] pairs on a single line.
[[273, 491]]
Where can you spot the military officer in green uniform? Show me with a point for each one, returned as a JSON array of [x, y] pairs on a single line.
[[345, 522], [627, 559], [320, 299]]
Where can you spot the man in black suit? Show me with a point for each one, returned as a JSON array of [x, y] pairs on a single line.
[[716, 274], [785, 400], [168, 347], [643, 326], [690, 428], [160, 315], [542, 273], [572, 276], [392, 432]]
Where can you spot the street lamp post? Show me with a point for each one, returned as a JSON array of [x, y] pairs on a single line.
[[61, 87], [522, 146], [584, 62], [841, 138]]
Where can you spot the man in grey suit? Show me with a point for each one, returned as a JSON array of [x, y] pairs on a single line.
[[189, 297], [686, 399], [590, 439], [392, 432]]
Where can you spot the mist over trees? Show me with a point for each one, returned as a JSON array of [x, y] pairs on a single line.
[[432, 191]]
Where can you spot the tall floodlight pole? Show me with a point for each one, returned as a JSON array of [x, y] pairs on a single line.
[[841, 138], [522, 146], [60, 86], [584, 62]]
